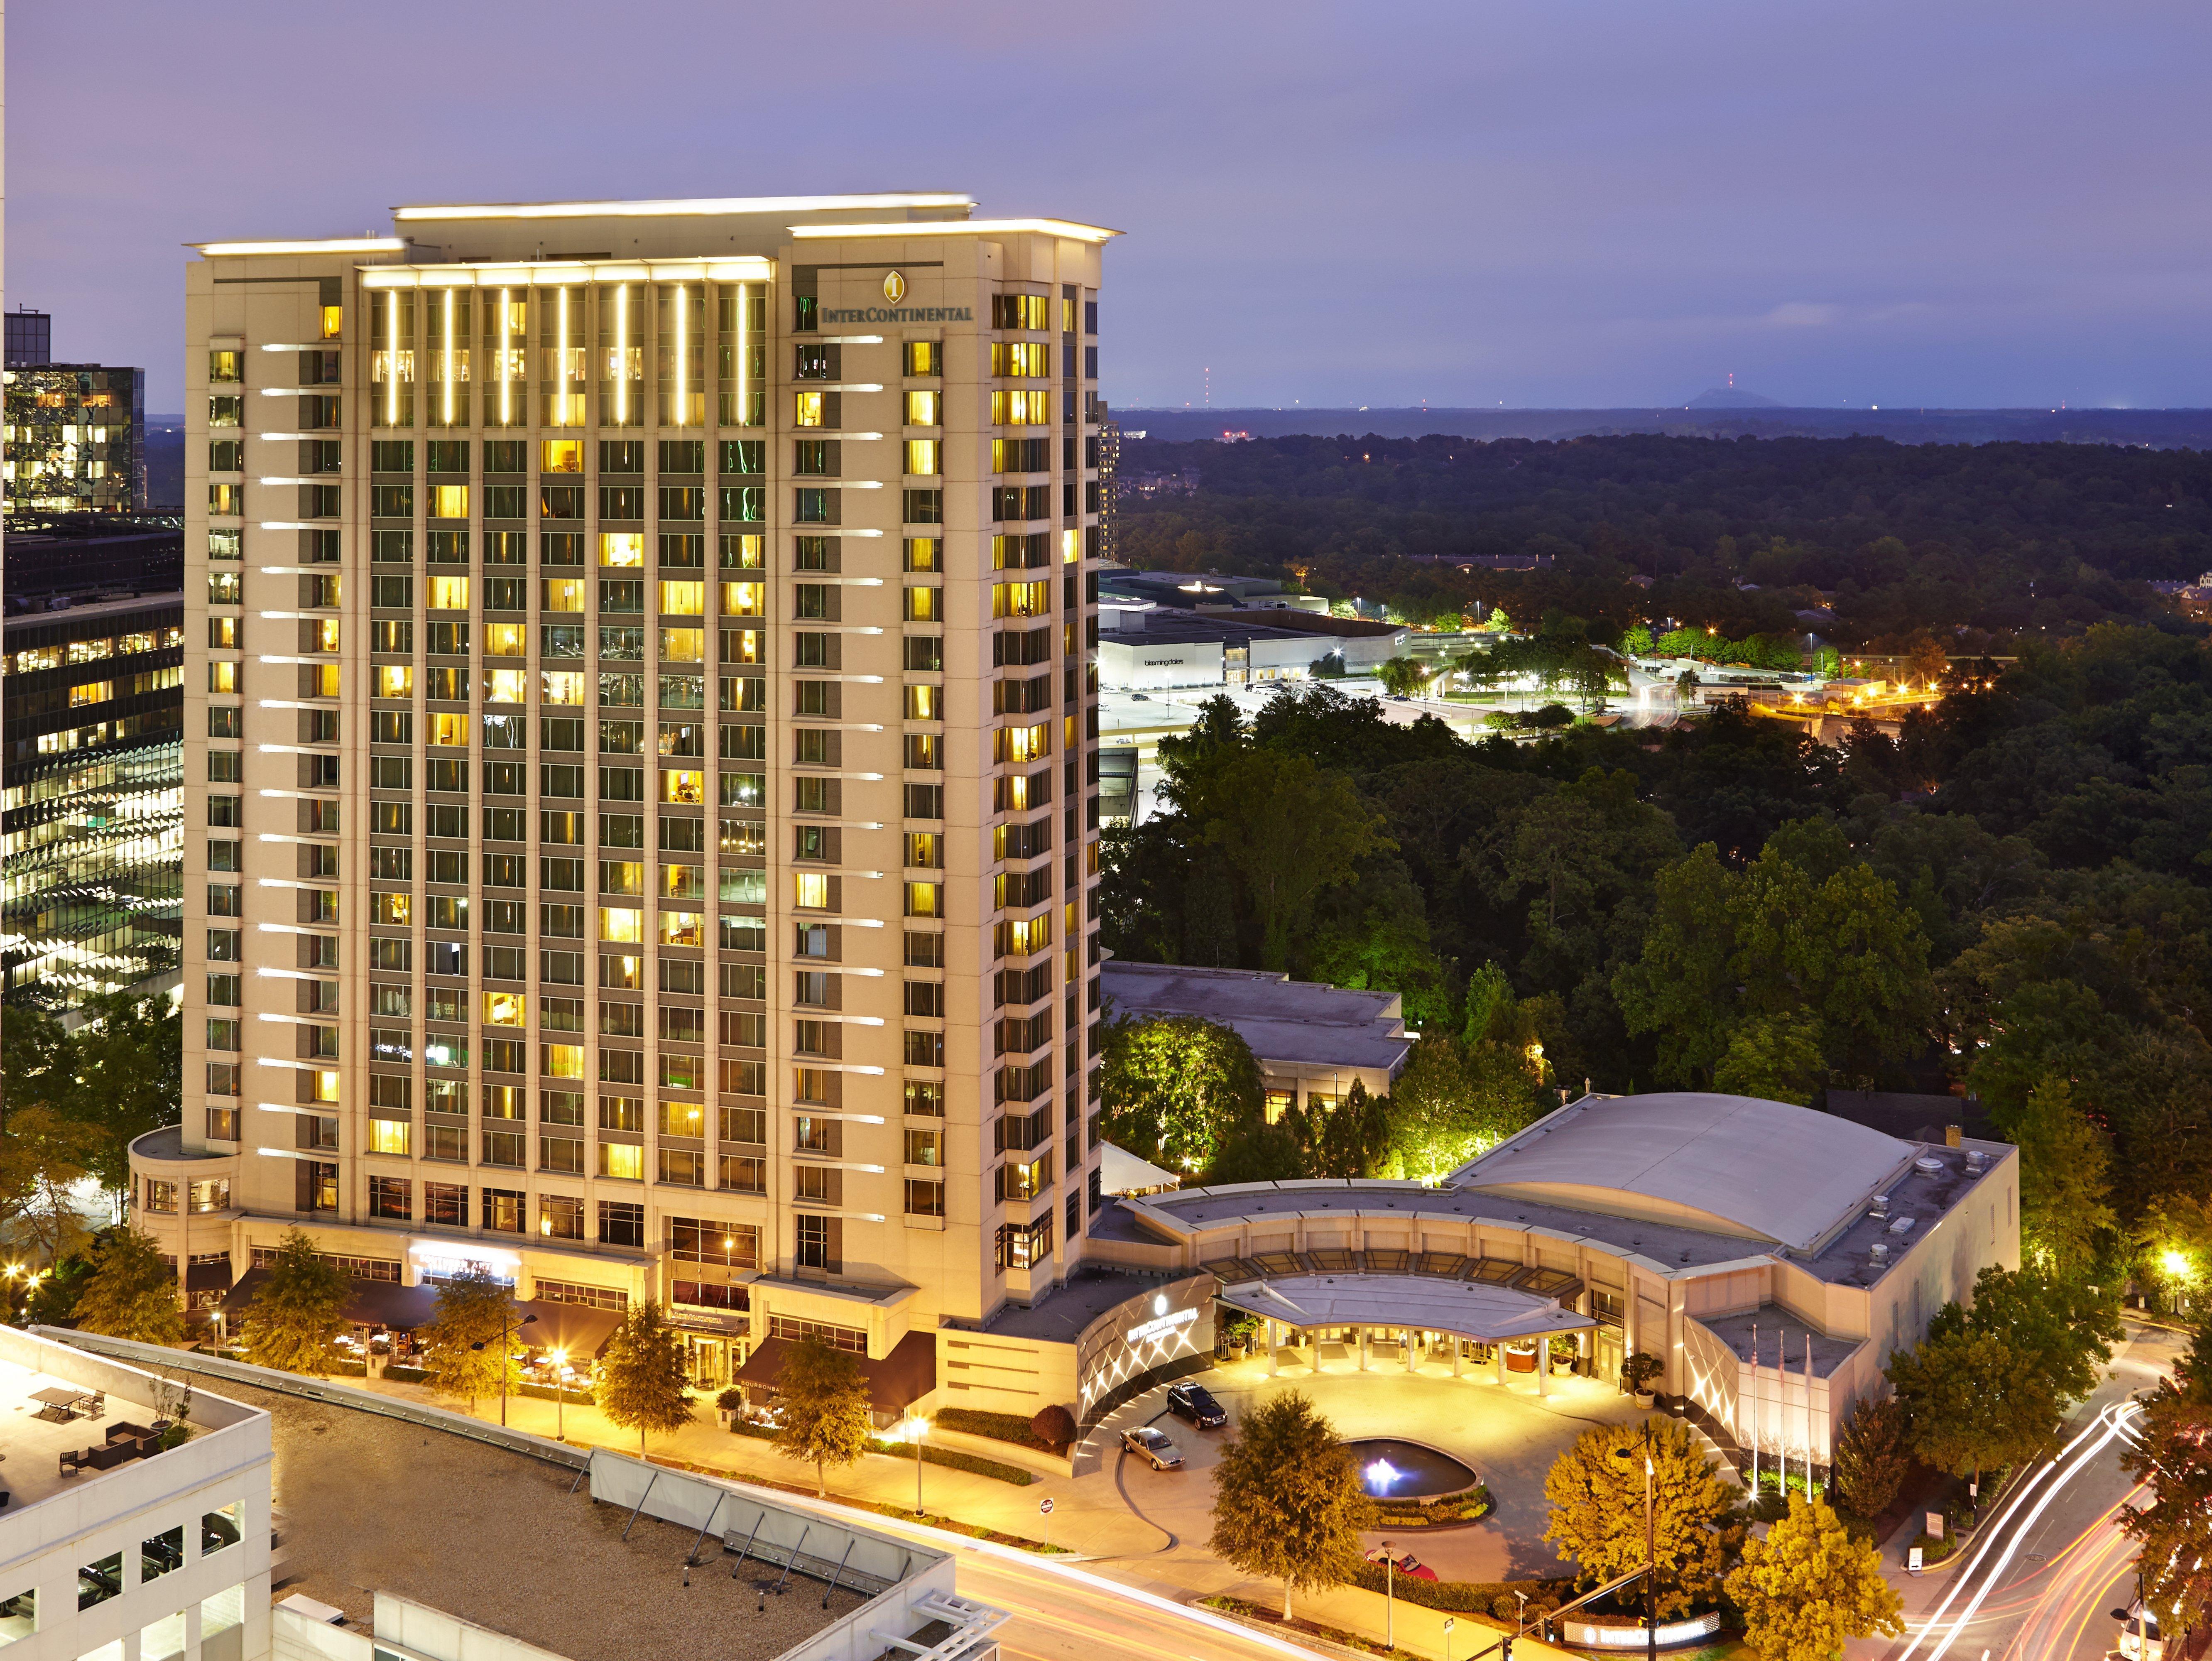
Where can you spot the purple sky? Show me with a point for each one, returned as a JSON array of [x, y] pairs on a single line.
[[1587, 204]]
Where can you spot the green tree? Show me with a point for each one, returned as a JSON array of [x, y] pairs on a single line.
[[1809, 1587], [1873, 1457], [2061, 1330], [1289, 830], [43, 1156], [1403, 677], [297, 1315], [643, 1382], [470, 1340], [2064, 1180], [1287, 1504], [1972, 1403], [1596, 1493], [131, 1293], [1776, 1056], [824, 1400], [1175, 1089], [1680, 989], [2174, 1534], [129, 1061]]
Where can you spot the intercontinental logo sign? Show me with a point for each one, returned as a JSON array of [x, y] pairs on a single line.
[[895, 291]]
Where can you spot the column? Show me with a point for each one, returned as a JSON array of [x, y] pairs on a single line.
[[1497, 1351], [1459, 1353], [1270, 1345], [1544, 1365], [1363, 1349], [1410, 1336]]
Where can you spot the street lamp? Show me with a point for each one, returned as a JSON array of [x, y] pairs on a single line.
[[1650, 1556], [917, 1432], [1389, 1554], [505, 1345]]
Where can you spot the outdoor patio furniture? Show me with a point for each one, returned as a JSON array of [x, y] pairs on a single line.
[[72, 1462], [107, 1458], [123, 1430], [52, 1415], [95, 1405]]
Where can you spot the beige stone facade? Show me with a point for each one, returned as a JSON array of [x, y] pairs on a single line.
[[640, 758]]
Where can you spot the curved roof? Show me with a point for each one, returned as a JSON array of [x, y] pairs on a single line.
[[1486, 1314], [1764, 1170]]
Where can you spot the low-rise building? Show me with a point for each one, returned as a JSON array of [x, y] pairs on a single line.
[[113, 1546], [1770, 1257], [1312, 1042]]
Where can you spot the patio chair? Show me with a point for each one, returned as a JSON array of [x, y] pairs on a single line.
[[72, 1462], [96, 1406], [108, 1457]]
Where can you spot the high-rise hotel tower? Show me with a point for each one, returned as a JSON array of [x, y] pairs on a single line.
[[641, 745]]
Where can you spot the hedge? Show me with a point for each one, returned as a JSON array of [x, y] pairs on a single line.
[[1467, 1597], [999, 1426], [576, 1398], [407, 1375]]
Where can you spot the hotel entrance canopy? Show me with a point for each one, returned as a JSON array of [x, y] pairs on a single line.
[[1482, 1313]]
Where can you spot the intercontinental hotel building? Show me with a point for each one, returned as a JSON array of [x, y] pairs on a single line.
[[641, 747]]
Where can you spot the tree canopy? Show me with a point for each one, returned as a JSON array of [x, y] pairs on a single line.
[[1809, 1586], [130, 1291], [825, 1404], [1597, 1493], [643, 1382], [1176, 1088], [295, 1318], [470, 1340], [1287, 1505]]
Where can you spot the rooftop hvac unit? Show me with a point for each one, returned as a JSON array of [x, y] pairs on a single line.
[[1901, 1226], [1880, 1207], [1929, 1165], [1878, 1253], [1975, 1160]]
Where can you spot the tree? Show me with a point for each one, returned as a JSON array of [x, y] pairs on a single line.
[[2174, 1534], [129, 1061], [1055, 1426], [1289, 830], [1177, 1087], [131, 1293], [1403, 677], [300, 1310], [1596, 1493], [1809, 1586], [44, 1155], [643, 1382], [469, 1339], [1776, 1056], [1971, 1402], [824, 1398], [2063, 1180], [2062, 1331], [1287, 1504], [1873, 1457], [1681, 987]]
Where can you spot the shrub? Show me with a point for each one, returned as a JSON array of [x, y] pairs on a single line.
[[1485, 1597], [1055, 1427], [999, 1426], [731, 1400]]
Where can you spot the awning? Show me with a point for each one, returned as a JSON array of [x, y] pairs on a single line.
[[207, 1277], [894, 1384], [577, 1328], [1121, 1172], [1466, 1309], [368, 1303]]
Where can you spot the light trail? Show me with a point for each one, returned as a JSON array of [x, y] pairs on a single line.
[[2076, 1457]]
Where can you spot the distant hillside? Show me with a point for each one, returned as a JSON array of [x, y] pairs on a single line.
[[1731, 398], [2157, 429]]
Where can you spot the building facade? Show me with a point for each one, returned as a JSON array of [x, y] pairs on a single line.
[[642, 751], [92, 810], [77, 439]]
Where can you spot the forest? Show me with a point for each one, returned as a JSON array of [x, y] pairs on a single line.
[[2012, 897], [1981, 545]]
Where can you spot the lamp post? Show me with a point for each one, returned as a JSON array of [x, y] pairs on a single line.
[[1389, 1554], [917, 1432], [506, 1344], [1650, 1555], [560, 1359]]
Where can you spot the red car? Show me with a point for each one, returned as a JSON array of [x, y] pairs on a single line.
[[1408, 1564]]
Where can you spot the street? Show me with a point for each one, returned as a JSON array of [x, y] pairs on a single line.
[[2040, 1580]]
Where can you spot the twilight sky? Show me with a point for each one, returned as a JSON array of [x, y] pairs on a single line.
[[1532, 203]]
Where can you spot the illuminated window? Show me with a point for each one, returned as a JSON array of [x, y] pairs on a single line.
[[223, 676], [923, 899], [925, 358], [326, 1087], [924, 409], [333, 321], [392, 909], [505, 1008], [446, 593], [685, 789], [925, 703], [925, 605], [682, 928], [564, 686], [449, 501], [392, 1136], [394, 680], [807, 409], [623, 549], [561, 455], [925, 554], [506, 640], [449, 730], [810, 891], [745, 599], [684, 645], [922, 455], [562, 594], [561, 1060], [684, 599], [621, 924], [1071, 545], [1021, 600], [625, 1161], [507, 685]]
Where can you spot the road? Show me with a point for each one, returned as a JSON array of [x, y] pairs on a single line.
[[2041, 1580]]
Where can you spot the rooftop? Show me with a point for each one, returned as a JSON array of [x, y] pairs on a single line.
[[1168, 627], [496, 1537], [1726, 1164], [1074, 1306], [1294, 1023], [1468, 1309]]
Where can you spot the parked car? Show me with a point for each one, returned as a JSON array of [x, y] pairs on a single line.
[[2139, 1637], [1195, 1405], [1153, 1445], [1409, 1564]]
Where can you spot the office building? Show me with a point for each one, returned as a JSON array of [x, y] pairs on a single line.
[[76, 439], [641, 735], [114, 1544], [29, 338], [92, 806]]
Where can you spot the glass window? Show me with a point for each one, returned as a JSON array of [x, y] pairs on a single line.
[[98, 1582], [19, 1616]]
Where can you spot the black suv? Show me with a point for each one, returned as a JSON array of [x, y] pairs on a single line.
[[1195, 1405]]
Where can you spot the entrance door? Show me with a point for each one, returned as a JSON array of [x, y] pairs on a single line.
[[1609, 1355], [709, 1360]]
